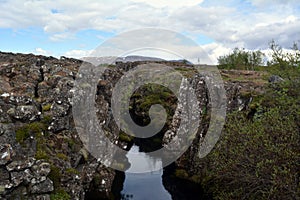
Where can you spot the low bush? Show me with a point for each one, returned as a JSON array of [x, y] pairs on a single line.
[[258, 156]]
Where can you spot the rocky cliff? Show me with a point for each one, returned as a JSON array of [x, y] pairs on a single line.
[[41, 155]]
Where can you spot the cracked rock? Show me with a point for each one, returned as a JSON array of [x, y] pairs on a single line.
[[43, 187]]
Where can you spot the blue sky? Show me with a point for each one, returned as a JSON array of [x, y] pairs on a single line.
[[62, 27]]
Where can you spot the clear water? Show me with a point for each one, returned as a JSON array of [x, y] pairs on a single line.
[[145, 186]]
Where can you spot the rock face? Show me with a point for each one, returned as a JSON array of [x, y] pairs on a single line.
[[239, 95], [41, 154]]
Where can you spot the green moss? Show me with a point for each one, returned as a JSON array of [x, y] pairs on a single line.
[[55, 176], [41, 154], [2, 189], [97, 180], [22, 134], [196, 179], [181, 173], [150, 94], [25, 131], [47, 119], [75, 147], [124, 137], [46, 107], [72, 171], [62, 156], [60, 195]]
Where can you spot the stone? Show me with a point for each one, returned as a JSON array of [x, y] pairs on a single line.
[[39, 62], [20, 164], [275, 79], [6, 153], [41, 168], [17, 178], [3, 128], [43, 187], [4, 174], [42, 197], [24, 112], [28, 176]]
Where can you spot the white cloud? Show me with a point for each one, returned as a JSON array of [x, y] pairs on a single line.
[[61, 36], [55, 26], [270, 3], [229, 25], [78, 53], [157, 43], [44, 52], [168, 3], [285, 32], [216, 50]]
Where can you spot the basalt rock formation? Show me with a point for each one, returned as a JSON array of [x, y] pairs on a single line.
[[41, 154]]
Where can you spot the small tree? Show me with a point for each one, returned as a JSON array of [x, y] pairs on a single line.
[[241, 59], [289, 57]]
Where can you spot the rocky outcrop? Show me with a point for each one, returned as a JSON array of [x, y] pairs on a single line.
[[241, 87], [41, 155]]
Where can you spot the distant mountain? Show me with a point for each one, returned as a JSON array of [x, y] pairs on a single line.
[[137, 58], [133, 58], [181, 61], [100, 60], [114, 59]]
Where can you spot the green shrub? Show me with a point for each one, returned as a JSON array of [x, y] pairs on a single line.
[[258, 157], [241, 59]]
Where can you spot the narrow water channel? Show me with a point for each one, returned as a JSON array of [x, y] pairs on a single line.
[[146, 186]]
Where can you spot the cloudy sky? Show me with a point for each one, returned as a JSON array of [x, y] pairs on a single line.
[[62, 27]]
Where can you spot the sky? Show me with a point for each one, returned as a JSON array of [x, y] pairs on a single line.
[[65, 28]]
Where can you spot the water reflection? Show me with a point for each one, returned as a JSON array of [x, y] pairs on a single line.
[[146, 186]]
